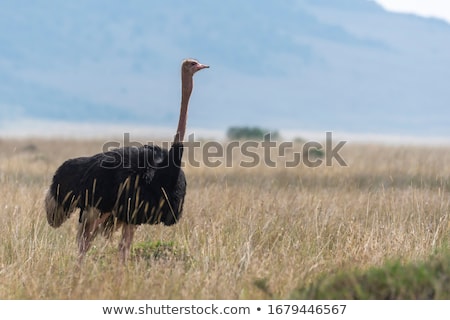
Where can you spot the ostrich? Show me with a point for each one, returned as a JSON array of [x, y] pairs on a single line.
[[123, 187]]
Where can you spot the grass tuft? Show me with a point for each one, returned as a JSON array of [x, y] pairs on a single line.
[[154, 250], [428, 279]]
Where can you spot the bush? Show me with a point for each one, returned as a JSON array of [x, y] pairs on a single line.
[[423, 280], [250, 133]]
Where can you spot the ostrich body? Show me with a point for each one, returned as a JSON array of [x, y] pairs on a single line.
[[123, 187]]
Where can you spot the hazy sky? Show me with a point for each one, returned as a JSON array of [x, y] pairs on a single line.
[[427, 8], [54, 68]]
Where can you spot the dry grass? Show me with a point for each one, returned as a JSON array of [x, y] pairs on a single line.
[[240, 226]]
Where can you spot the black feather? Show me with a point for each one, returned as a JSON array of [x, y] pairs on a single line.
[[137, 185]]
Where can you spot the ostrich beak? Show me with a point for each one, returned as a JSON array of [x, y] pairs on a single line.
[[202, 66]]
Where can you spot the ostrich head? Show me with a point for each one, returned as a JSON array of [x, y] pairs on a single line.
[[191, 66]]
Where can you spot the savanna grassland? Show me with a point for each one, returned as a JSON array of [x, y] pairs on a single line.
[[246, 233]]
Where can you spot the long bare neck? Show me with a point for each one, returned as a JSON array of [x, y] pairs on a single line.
[[186, 90]]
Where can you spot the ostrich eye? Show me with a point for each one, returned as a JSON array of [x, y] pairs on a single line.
[[193, 63]]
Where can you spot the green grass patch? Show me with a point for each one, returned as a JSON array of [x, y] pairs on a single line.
[[157, 250], [394, 280]]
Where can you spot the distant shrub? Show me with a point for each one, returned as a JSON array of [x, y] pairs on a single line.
[[316, 153], [299, 140], [250, 133]]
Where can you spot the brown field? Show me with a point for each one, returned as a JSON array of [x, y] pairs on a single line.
[[241, 227]]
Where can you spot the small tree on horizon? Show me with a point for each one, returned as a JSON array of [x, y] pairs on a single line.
[[251, 133]]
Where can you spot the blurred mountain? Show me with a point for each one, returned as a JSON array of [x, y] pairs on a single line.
[[316, 65]]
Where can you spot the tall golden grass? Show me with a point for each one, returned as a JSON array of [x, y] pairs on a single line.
[[280, 226]]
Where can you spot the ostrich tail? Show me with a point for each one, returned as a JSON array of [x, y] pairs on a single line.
[[56, 214]]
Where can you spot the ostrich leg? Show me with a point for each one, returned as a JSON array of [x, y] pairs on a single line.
[[128, 231]]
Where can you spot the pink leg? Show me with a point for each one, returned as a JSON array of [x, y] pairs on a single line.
[[127, 238], [88, 230]]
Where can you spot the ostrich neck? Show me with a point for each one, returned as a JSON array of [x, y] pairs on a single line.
[[186, 90]]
